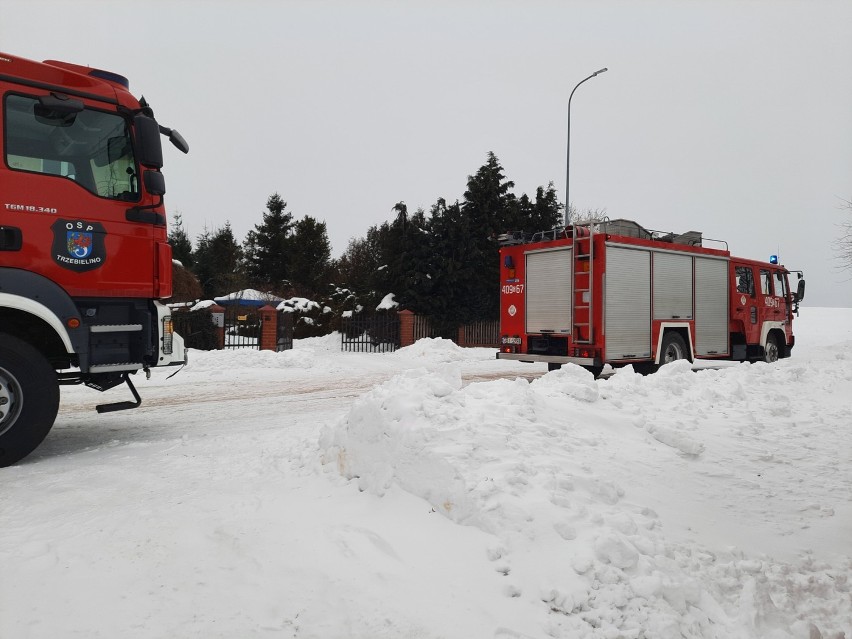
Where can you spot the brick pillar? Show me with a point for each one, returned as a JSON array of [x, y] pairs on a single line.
[[406, 328], [268, 328], [218, 314]]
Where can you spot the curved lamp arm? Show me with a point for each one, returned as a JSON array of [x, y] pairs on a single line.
[[568, 153]]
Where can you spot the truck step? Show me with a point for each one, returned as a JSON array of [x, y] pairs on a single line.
[[109, 408], [115, 328], [115, 368]]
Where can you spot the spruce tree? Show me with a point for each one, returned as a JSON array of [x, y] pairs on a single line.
[[267, 246], [219, 262], [310, 257], [180, 242], [489, 208]]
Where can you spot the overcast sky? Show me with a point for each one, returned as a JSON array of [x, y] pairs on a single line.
[[731, 118]]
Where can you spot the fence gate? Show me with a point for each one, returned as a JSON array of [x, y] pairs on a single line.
[[285, 331], [242, 328], [370, 334]]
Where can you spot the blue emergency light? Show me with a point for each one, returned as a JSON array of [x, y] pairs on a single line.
[[773, 259]]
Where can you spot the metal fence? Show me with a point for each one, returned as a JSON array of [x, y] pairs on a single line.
[[485, 333], [285, 331], [423, 328], [370, 334], [196, 328], [242, 328]]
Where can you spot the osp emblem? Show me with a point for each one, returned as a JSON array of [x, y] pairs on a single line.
[[78, 245], [512, 310]]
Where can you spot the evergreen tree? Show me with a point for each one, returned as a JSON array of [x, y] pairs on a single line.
[[450, 275], [180, 242], [546, 212], [489, 209], [310, 256], [359, 264], [446, 265], [267, 247], [219, 262], [417, 284]]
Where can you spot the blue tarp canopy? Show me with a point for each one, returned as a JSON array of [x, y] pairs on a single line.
[[248, 297]]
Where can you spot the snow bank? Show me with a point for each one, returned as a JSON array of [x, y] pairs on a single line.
[[548, 468]]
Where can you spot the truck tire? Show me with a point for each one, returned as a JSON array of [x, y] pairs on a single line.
[[594, 370], [770, 351], [673, 348], [29, 399]]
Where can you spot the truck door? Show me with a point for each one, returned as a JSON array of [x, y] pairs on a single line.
[[771, 303], [782, 289], [68, 179], [744, 303]]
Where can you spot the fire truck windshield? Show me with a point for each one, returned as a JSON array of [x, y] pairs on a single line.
[[92, 148]]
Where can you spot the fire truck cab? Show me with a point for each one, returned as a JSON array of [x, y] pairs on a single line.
[[612, 292], [84, 256]]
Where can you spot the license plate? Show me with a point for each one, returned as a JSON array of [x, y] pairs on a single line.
[[512, 340]]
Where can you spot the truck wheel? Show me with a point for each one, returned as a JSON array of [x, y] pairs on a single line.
[[594, 370], [673, 348], [29, 399], [553, 367], [770, 351], [645, 368]]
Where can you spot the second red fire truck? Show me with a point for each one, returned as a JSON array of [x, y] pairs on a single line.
[[612, 292]]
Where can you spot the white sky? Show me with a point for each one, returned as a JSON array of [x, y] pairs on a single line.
[[732, 118]]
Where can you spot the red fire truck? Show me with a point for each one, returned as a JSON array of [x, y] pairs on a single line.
[[84, 257], [612, 292]]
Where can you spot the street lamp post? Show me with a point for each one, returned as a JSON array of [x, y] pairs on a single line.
[[568, 153]]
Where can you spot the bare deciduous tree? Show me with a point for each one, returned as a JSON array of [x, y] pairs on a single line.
[[843, 243]]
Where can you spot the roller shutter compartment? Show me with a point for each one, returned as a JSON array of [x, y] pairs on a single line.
[[672, 286], [711, 306], [628, 303], [548, 291]]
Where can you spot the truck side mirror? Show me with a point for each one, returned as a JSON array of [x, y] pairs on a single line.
[[155, 183], [175, 138], [148, 141], [800, 291]]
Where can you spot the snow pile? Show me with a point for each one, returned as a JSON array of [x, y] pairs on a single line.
[[439, 350], [558, 471]]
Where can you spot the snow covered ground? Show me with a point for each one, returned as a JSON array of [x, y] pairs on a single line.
[[436, 492]]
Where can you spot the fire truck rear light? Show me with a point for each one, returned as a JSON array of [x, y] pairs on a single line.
[[168, 331]]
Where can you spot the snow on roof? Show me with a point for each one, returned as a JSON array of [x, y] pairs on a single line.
[[202, 304]]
